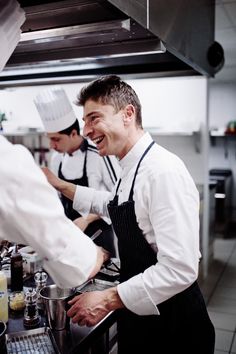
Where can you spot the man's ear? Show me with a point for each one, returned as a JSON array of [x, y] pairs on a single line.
[[129, 113], [74, 133]]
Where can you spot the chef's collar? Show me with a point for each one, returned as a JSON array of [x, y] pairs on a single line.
[[136, 152], [83, 145]]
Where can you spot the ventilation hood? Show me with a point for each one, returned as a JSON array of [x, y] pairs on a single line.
[[77, 39]]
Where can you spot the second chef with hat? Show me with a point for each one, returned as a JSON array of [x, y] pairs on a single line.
[[76, 160]]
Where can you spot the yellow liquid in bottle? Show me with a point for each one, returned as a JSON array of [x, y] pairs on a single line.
[[3, 298]]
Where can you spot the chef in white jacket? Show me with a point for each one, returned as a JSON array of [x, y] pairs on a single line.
[[32, 214], [76, 160], [30, 210]]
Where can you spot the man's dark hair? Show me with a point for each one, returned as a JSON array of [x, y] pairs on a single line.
[[68, 130], [111, 90]]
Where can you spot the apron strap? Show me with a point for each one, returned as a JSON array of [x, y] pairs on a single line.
[[136, 172], [132, 187]]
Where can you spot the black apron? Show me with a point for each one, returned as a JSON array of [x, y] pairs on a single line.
[[106, 239], [183, 325]]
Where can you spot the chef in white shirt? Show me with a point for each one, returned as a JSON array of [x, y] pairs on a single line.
[[32, 214], [154, 209], [30, 211], [76, 160]]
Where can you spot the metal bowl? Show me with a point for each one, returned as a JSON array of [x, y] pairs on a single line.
[[55, 300]]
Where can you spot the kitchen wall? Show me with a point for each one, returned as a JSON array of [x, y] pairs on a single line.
[[173, 108]]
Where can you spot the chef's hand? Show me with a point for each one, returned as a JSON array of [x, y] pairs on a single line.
[[83, 222], [52, 179], [66, 188], [90, 308], [102, 257]]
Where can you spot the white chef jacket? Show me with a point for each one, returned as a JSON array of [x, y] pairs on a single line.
[[167, 210], [99, 173], [32, 214]]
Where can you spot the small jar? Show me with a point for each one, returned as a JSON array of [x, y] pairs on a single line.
[[17, 301], [40, 278], [31, 315]]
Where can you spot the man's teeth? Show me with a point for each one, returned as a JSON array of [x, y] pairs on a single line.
[[98, 140]]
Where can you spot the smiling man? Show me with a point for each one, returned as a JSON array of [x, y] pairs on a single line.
[[154, 209]]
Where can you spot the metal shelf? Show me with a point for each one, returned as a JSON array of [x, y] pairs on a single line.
[[216, 135], [195, 134]]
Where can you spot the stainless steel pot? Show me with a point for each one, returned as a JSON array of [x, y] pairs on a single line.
[[55, 300], [3, 346]]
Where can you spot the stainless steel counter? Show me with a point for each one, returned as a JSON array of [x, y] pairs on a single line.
[[98, 339], [75, 340]]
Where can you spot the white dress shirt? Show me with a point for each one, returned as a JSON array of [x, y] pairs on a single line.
[[32, 214], [167, 211]]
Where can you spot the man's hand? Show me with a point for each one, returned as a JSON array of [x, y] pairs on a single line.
[[52, 179], [66, 188], [84, 222], [90, 308], [102, 257], [81, 222]]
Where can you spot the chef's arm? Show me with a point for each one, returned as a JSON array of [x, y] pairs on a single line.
[[102, 256], [66, 188], [31, 214], [84, 222], [82, 197]]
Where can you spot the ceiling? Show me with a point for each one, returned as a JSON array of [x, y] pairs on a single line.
[[225, 34]]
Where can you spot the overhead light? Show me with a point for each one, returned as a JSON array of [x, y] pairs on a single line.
[[79, 31], [160, 48]]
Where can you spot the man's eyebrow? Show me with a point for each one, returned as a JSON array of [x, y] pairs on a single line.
[[89, 114]]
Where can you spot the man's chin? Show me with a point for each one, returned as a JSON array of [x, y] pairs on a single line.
[[102, 152]]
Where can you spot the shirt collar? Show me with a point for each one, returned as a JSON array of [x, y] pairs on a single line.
[[136, 152], [83, 146]]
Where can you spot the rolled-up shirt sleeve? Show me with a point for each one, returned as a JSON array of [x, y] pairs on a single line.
[[88, 200]]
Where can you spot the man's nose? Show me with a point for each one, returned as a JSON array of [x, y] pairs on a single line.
[[87, 130], [52, 144]]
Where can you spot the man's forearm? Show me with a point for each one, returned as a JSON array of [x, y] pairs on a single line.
[[67, 189]]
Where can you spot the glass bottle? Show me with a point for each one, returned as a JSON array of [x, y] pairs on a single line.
[[3, 297], [16, 271]]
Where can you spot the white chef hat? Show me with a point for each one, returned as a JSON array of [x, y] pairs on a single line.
[[12, 16], [55, 109]]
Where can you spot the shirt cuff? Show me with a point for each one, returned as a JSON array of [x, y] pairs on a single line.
[[135, 297], [83, 200]]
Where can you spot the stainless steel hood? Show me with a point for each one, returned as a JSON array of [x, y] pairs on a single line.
[[74, 39]]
